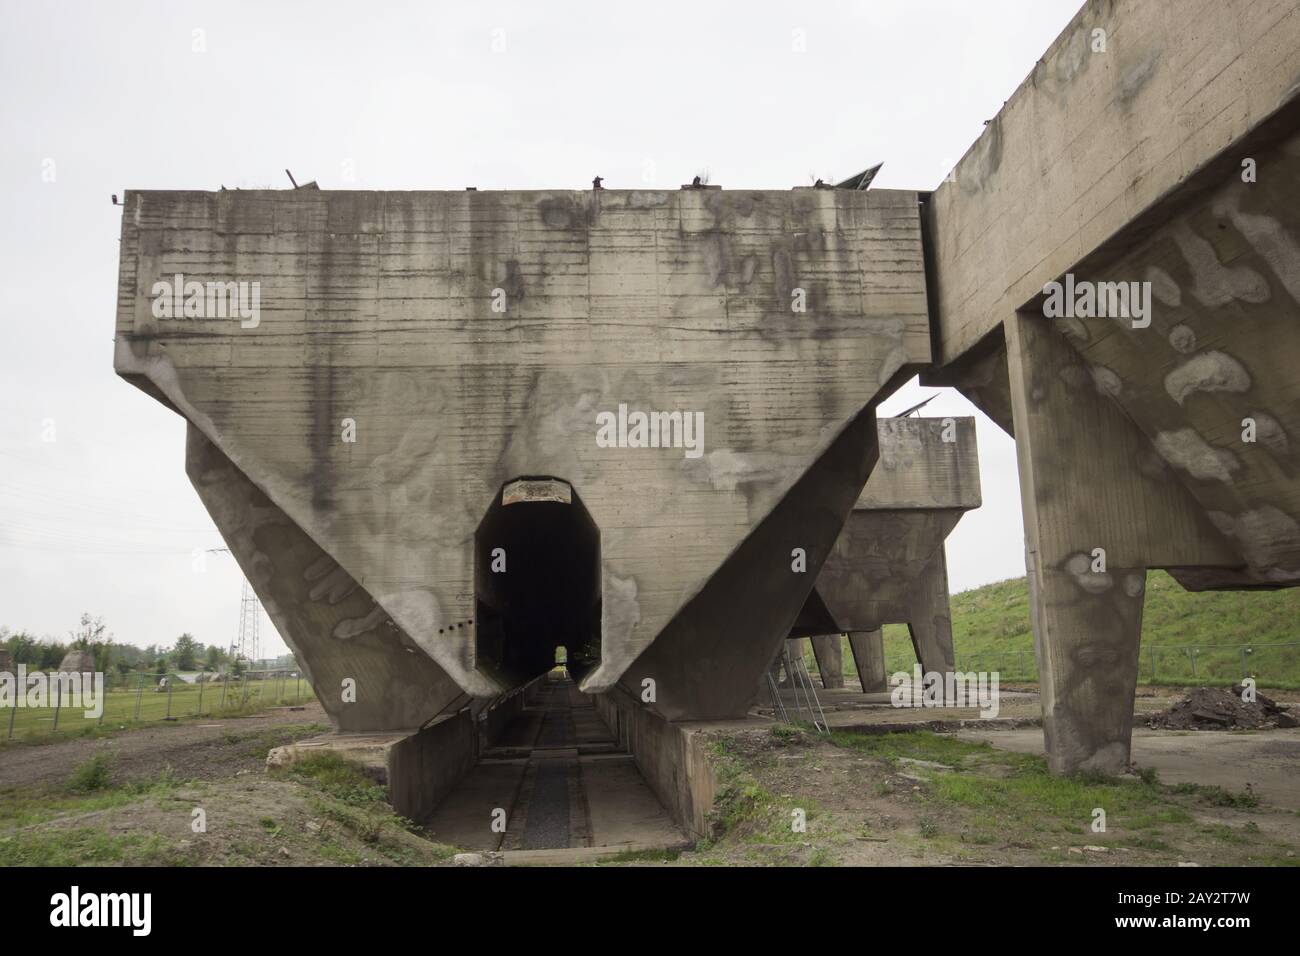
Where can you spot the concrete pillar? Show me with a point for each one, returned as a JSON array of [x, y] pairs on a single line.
[[794, 651], [930, 620], [829, 652], [1083, 502], [869, 657]]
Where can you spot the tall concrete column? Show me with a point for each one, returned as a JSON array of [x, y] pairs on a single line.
[[1087, 518], [829, 652], [869, 657]]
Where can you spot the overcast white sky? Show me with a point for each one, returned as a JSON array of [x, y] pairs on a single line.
[[99, 97]]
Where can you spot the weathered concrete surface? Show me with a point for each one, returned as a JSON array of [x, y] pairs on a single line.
[[675, 758], [1221, 350], [708, 662], [419, 768], [869, 657], [888, 564], [1090, 139], [829, 654], [337, 631], [377, 313]]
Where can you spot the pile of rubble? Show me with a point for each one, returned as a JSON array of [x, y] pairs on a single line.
[[1221, 708]]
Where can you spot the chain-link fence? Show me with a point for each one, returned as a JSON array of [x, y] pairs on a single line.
[[1275, 665], [1271, 665], [142, 698]]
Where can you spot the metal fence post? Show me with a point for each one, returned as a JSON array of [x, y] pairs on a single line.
[[201, 683], [58, 699], [1151, 653], [225, 682], [1193, 655], [139, 694], [13, 712], [170, 685]]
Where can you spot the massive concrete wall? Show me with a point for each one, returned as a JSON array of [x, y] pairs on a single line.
[[466, 339]]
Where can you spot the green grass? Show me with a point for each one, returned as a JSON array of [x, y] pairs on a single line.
[[91, 775], [921, 745], [86, 846], [747, 813], [343, 779], [36, 724], [987, 789], [991, 632]]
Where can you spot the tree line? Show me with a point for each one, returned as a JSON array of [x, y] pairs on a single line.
[[112, 657]]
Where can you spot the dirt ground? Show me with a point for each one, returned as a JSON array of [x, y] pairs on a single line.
[[978, 797], [937, 799], [1266, 762], [198, 750], [196, 793]]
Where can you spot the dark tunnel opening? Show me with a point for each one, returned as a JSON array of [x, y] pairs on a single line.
[[536, 582]]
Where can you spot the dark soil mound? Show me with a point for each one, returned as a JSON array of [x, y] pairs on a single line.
[[1221, 708]]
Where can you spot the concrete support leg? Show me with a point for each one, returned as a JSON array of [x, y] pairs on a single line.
[[1088, 522], [1087, 644], [869, 657], [930, 620], [794, 652], [710, 658], [829, 652]]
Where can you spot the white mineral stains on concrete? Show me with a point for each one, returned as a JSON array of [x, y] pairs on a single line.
[[1187, 450], [1211, 371]]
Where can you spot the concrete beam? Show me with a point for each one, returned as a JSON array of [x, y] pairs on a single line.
[[1092, 137]]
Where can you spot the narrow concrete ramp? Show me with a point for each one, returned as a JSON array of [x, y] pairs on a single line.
[[555, 787]]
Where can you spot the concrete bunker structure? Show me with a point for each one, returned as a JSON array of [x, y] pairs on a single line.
[[700, 369], [448, 431]]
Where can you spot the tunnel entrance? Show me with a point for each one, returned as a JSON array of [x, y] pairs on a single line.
[[536, 582]]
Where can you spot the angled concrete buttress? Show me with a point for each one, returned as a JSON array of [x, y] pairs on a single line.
[[417, 418], [1156, 181], [888, 564]]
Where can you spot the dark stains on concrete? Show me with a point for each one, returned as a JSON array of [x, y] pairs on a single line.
[[564, 212]]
